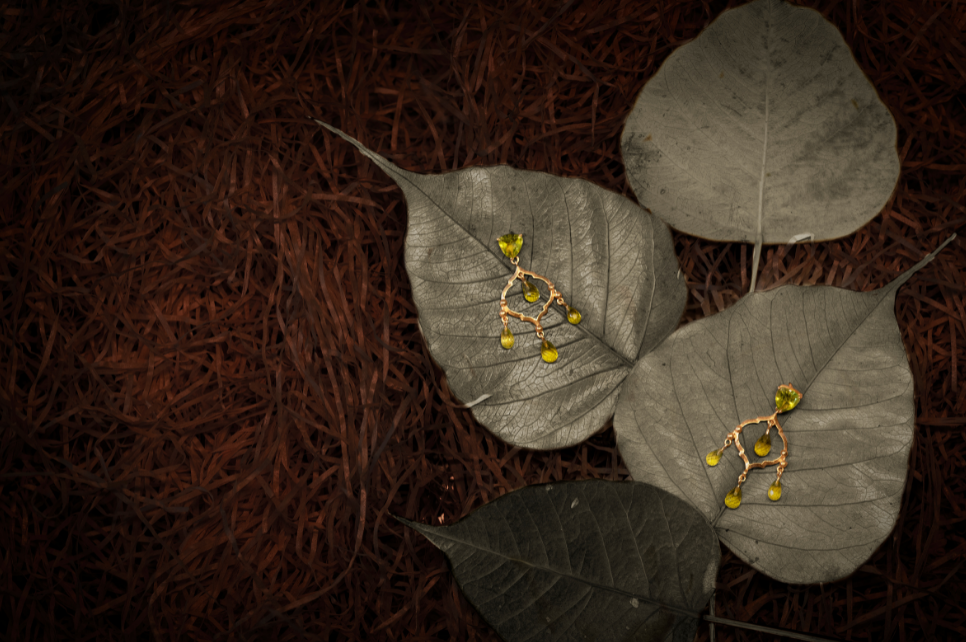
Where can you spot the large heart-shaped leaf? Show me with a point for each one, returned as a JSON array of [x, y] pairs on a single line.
[[609, 258], [848, 440], [761, 129], [588, 560]]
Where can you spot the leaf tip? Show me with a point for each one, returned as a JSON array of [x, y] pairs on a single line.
[[422, 529], [378, 159], [918, 266], [341, 134], [407, 522]]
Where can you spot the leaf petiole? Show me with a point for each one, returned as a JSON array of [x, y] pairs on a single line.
[[791, 635]]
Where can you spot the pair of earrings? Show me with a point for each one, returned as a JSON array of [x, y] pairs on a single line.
[[786, 398], [511, 244]]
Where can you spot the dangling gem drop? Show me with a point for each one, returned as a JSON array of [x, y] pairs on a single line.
[[506, 338], [530, 291], [548, 351], [573, 315], [775, 491], [763, 445], [733, 499]]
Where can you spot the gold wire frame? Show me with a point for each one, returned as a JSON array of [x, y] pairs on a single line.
[[520, 275], [781, 461]]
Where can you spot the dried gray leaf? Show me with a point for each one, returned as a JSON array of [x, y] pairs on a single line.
[[588, 560], [609, 258], [849, 438], [762, 126]]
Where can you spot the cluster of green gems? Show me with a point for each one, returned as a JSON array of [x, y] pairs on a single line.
[[547, 350], [733, 498], [786, 398]]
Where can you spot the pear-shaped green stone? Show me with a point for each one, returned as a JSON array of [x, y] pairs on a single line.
[[763, 445], [786, 398], [530, 291], [548, 351], [775, 491], [506, 338], [713, 457], [733, 499], [573, 315], [511, 244]]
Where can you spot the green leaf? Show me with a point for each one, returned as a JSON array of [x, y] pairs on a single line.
[[761, 129], [609, 258], [588, 560], [848, 439]]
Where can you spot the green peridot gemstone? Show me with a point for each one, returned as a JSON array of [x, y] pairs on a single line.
[[506, 338], [786, 398], [511, 244], [548, 351], [713, 457], [573, 315], [775, 491], [763, 445], [733, 499], [530, 291]]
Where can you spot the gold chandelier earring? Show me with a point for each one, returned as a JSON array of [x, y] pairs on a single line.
[[511, 244], [786, 398]]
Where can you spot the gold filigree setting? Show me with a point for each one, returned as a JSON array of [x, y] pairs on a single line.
[[786, 398], [510, 245]]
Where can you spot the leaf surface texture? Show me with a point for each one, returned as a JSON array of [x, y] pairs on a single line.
[[760, 129], [849, 438], [609, 258], [588, 560]]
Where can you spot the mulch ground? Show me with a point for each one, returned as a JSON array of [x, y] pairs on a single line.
[[212, 385]]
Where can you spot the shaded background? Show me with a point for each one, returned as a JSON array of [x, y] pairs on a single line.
[[212, 386]]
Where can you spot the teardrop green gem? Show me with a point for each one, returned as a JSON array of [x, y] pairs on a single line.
[[713, 458], [573, 315], [775, 491], [548, 351], [530, 291], [763, 445], [506, 338], [733, 499]]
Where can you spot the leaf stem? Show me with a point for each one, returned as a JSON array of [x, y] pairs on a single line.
[[711, 611], [792, 635], [755, 258]]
